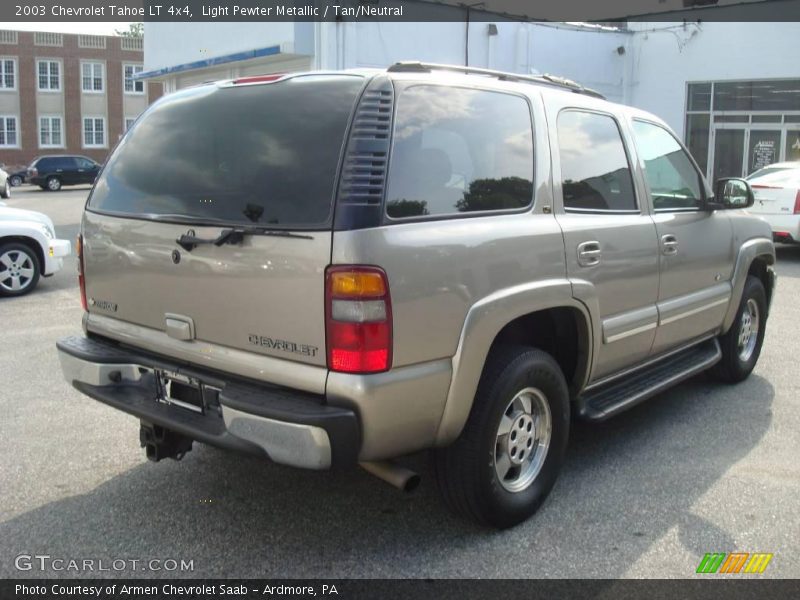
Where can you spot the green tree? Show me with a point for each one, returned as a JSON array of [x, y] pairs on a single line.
[[134, 30]]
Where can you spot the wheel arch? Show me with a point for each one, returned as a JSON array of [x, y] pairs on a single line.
[[543, 315], [756, 257], [30, 242]]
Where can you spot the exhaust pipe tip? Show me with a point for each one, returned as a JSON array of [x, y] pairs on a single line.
[[403, 479]]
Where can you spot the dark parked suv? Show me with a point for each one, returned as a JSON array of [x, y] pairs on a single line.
[[51, 172]]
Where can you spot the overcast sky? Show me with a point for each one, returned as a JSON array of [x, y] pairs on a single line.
[[63, 27]]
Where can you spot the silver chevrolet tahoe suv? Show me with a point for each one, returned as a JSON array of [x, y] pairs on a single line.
[[330, 269]]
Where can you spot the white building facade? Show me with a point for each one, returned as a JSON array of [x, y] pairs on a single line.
[[732, 90]]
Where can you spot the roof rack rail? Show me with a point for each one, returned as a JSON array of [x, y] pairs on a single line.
[[552, 80]]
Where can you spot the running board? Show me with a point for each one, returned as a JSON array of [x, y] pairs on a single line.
[[607, 400]]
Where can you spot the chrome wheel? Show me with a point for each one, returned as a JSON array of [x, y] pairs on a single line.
[[54, 184], [523, 439], [748, 330], [16, 180], [16, 270]]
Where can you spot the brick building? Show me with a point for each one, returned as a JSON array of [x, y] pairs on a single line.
[[67, 93]]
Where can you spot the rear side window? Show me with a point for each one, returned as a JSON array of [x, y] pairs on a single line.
[[249, 154], [595, 173], [458, 150], [55, 163]]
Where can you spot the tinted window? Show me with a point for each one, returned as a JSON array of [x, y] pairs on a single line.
[[458, 150], [595, 174], [263, 154], [670, 175], [85, 163], [55, 163]]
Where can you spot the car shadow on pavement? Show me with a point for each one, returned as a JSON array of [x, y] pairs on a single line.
[[626, 483]]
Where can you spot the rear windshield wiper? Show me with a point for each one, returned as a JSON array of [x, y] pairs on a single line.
[[233, 235]]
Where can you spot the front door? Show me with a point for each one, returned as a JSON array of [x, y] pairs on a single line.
[[695, 245], [610, 238]]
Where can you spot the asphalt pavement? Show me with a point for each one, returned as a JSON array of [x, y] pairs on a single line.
[[702, 468]]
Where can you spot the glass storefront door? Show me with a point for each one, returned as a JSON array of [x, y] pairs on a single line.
[[728, 152], [792, 144], [763, 148], [740, 150]]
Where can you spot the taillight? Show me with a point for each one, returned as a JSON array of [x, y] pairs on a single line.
[[81, 279], [358, 315], [797, 203]]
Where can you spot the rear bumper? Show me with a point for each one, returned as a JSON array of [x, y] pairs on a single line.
[[290, 427], [785, 228]]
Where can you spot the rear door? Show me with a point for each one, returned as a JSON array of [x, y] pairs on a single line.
[[695, 245], [258, 157], [67, 169], [609, 235]]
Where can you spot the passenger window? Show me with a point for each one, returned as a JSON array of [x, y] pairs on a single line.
[[458, 150], [673, 181], [595, 174]]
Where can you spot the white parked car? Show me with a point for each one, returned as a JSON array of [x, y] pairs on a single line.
[[777, 193], [28, 249], [5, 185]]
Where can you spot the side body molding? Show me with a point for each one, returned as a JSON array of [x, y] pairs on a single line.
[[753, 248], [482, 324]]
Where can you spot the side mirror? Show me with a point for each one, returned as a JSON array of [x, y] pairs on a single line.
[[730, 193]]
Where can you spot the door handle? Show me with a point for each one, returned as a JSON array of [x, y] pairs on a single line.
[[589, 254], [669, 244]]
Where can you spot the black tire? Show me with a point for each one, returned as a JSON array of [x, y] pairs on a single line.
[[5, 192], [53, 183], [733, 367], [465, 471], [24, 259], [15, 181]]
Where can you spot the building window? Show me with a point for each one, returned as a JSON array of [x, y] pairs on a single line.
[[8, 132], [129, 123], [8, 74], [94, 132], [131, 44], [49, 75], [132, 86], [91, 41], [47, 38], [50, 132], [92, 77], [8, 37]]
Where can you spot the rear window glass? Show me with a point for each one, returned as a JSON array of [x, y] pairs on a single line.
[[595, 174], [458, 151], [252, 154]]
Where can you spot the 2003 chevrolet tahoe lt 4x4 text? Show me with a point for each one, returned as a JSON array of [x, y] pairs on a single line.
[[332, 268]]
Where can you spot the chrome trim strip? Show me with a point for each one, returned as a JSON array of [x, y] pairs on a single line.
[[631, 332], [693, 311]]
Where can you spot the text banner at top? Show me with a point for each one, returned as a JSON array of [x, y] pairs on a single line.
[[396, 10]]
